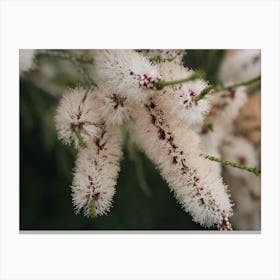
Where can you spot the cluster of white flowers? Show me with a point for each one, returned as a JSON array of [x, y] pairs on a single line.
[[235, 135], [168, 123], [79, 121], [245, 187]]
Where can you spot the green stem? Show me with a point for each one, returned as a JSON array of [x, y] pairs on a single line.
[[92, 211], [244, 83], [255, 170], [210, 89], [161, 84], [82, 143], [204, 92]]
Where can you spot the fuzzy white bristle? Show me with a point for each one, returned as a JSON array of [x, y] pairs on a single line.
[[125, 73], [96, 172], [180, 99], [78, 109], [175, 151]]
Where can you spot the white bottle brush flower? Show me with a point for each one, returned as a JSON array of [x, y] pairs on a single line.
[[162, 106]]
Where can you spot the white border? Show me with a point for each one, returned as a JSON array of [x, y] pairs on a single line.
[[157, 24]]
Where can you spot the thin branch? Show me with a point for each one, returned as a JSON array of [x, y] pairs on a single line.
[[244, 83], [82, 142], [158, 59], [255, 170], [207, 90], [161, 84], [223, 88], [92, 211]]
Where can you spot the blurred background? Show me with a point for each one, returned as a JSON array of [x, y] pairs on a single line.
[[142, 201]]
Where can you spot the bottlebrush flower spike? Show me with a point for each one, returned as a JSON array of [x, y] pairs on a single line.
[[95, 173], [78, 117], [174, 149], [125, 73], [180, 99]]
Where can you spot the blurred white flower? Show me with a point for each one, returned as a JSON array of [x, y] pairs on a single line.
[[246, 198], [26, 57], [240, 66], [211, 135], [96, 172], [239, 150], [248, 122], [78, 112], [226, 105], [212, 150], [125, 73]]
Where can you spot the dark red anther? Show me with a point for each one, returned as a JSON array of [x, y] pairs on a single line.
[[96, 196], [152, 105], [79, 115], [232, 93], [241, 160], [161, 134], [192, 93]]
